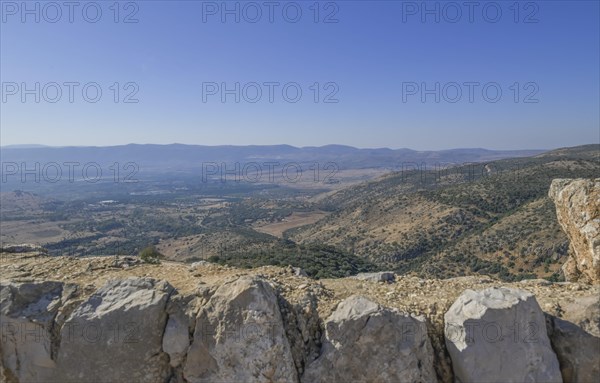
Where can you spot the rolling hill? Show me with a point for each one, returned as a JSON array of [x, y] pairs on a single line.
[[493, 218]]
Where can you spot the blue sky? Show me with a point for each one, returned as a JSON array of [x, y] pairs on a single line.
[[368, 61]]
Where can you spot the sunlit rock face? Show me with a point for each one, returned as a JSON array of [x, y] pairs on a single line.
[[578, 211], [499, 335], [240, 337], [365, 342]]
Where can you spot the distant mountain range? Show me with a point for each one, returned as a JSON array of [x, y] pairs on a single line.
[[24, 146], [183, 157]]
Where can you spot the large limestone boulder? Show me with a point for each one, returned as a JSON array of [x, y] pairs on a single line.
[[578, 212], [364, 342], [27, 311], [499, 335], [240, 337], [116, 334], [576, 339]]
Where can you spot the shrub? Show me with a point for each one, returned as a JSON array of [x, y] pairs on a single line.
[[150, 255]]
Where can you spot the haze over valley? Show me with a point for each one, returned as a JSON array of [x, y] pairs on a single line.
[[332, 210]]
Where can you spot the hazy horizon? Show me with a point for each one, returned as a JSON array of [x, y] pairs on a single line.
[[33, 146]]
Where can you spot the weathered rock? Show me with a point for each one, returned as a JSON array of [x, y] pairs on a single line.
[[197, 264], [499, 335], [576, 340], [578, 352], [27, 312], [303, 330], [364, 342], [584, 312], [299, 272], [182, 311], [383, 276], [116, 334], [228, 327], [578, 212], [240, 337], [125, 262]]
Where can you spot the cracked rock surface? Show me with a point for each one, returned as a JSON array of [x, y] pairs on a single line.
[[578, 211], [366, 342]]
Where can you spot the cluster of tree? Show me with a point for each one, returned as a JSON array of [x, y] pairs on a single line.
[[319, 261]]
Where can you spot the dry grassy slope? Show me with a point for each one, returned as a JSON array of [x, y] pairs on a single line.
[[529, 240], [387, 229], [18, 202], [206, 245], [23, 219], [442, 228]]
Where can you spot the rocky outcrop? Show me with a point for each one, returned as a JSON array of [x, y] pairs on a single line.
[[365, 342], [116, 334], [576, 340], [270, 325], [240, 337], [499, 335], [578, 212], [27, 312]]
